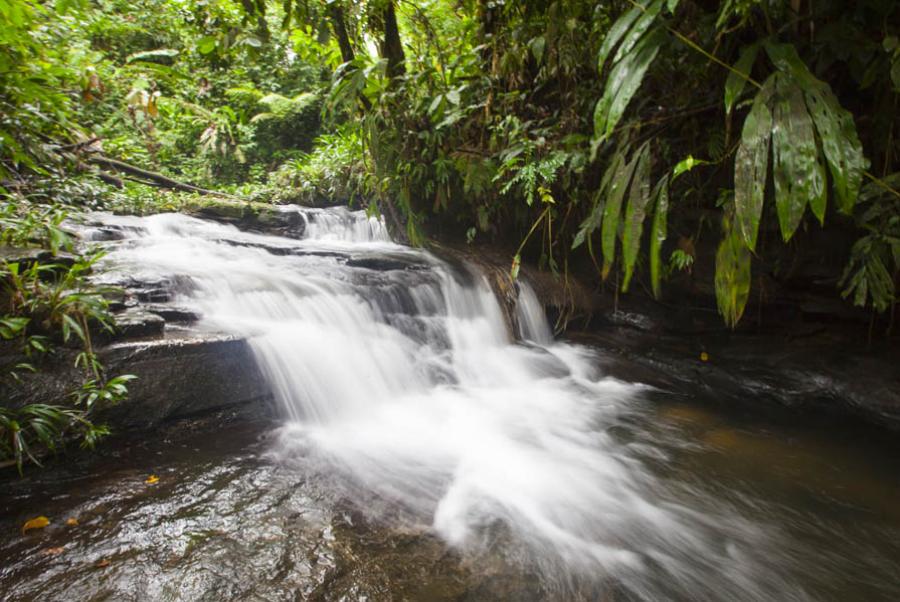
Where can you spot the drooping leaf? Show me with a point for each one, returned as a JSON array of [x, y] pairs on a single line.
[[610, 227], [751, 166], [615, 35], [737, 79], [732, 276], [637, 31], [623, 82], [840, 144], [595, 218], [834, 124], [799, 175], [658, 233], [635, 213], [537, 46]]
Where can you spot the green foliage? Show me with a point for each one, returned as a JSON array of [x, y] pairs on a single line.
[[478, 111], [333, 173], [871, 274], [732, 275], [48, 303]]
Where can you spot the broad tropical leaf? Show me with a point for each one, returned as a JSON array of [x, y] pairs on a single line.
[[635, 212], [732, 276], [835, 126], [641, 26], [615, 35], [658, 233], [593, 221], [737, 79], [751, 166], [623, 82], [840, 144], [611, 211], [799, 175]]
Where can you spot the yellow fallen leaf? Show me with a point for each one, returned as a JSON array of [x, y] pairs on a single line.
[[72, 522], [36, 523], [53, 551], [152, 479], [102, 563], [704, 357]]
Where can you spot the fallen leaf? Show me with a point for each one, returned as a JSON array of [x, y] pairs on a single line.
[[152, 479], [53, 551], [102, 563], [36, 523], [704, 357], [72, 522]]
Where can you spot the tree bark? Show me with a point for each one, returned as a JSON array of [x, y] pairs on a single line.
[[392, 46], [339, 25]]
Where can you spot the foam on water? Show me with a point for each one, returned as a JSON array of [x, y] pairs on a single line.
[[406, 384]]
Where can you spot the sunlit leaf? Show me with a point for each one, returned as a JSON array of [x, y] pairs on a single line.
[[206, 45]]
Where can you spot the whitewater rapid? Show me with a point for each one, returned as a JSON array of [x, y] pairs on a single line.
[[395, 373]]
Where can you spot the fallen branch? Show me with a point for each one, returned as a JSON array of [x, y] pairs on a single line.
[[152, 178]]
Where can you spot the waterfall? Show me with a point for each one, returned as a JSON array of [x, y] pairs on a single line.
[[397, 377]]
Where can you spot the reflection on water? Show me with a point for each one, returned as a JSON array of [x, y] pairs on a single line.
[[425, 455], [229, 521]]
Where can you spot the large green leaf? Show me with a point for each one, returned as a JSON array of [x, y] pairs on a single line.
[[732, 276], [737, 79], [593, 221], [611, 211], [799, 175], [835, 126], [840, 144], [635, 213], [616, 33], [751, 166], [641, 26], [623, 82], [658, 233]]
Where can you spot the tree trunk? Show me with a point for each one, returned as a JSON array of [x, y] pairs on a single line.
[[339, 25], [392, 46]]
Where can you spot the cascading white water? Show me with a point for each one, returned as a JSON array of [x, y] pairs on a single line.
[[397, 373]]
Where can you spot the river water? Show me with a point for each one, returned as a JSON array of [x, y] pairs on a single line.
[[424, 453]]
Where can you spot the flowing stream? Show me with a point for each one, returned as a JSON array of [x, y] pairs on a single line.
[[425, 453]]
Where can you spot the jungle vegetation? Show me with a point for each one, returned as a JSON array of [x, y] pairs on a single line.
[[628, 141]]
